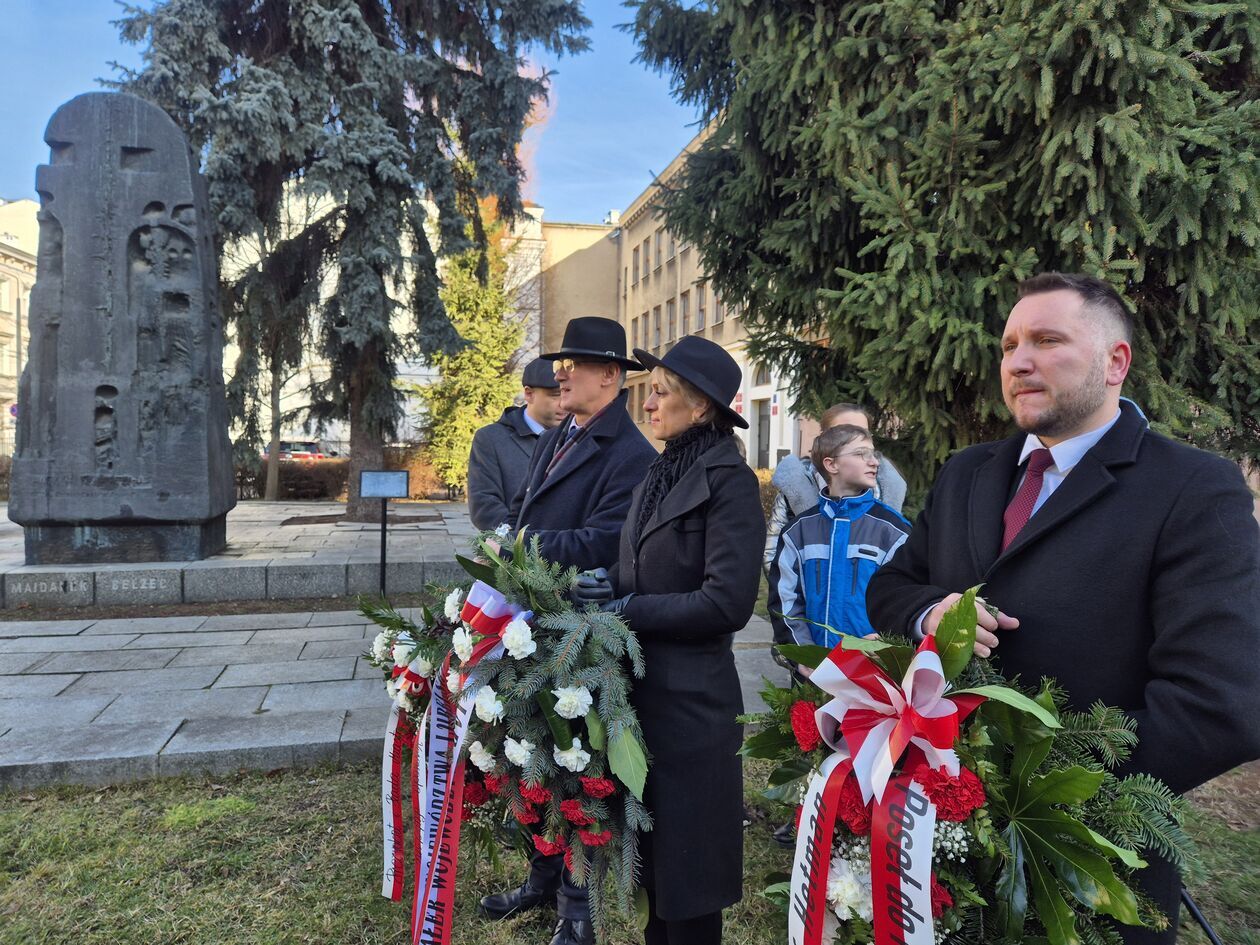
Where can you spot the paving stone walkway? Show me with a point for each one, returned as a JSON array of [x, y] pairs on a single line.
[[103, 701]]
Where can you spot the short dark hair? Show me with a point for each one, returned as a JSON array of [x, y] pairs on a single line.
[[1099, 296], [830, 441]]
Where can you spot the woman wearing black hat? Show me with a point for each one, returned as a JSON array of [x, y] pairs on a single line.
[[689, 570]]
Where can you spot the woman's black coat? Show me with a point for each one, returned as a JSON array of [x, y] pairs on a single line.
[[694, 571]]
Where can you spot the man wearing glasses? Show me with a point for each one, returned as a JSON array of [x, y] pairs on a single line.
[[575, 498]]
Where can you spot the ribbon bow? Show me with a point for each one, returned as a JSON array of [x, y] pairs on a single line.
[[875, 721], [488, 612]]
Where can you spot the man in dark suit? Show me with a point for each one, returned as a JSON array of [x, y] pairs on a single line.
[[575, 498], [1125, 563], [501, 450]]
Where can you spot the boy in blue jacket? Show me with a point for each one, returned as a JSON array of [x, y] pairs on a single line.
[[826, 557]]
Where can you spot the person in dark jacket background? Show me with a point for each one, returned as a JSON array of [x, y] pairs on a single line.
[[688, 578], [501, 450]]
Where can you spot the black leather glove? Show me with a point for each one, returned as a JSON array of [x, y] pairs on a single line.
[[615, 606], [591, 587]]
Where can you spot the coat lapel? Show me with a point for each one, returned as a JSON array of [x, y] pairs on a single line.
[[581, 451], [689, 492], [990, 489]]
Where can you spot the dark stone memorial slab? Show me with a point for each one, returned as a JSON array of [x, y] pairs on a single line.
[[122, 442]]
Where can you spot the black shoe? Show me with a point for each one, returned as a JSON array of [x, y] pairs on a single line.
[[515, 901], [785, 836], [574, 932]]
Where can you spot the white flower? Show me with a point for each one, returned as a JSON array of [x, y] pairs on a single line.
[[380, 647], [478, 755], [454, 601], [391, 687], [572, 702], [402, 649], [503, 530], [463, 643], [489, 707], [849, 888], [421, 667], [518, 753], [518, 639], [575, 759], [452, 681], [404, 700]]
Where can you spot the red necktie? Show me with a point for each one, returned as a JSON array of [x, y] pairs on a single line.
[[1021, 508]]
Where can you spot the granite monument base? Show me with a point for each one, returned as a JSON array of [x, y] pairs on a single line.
[[125, 543]]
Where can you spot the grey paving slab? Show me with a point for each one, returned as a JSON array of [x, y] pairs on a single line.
[[363, 734], [146, 625], [757, 631], [131, 584], [246, 654], [257, 621], [24, 687], [323, 649], [443, 571], [53, 644], [146, 680], [365, 670], [303, 671], [43, 628], [288, 579], [48, 710], [11, 664], [268, 741], [400, 577], [212, 638], [83, 754], [301, 634], [103, 661], [337, 618], [752, 665], [224, 581], [197, 703], [319, 696]]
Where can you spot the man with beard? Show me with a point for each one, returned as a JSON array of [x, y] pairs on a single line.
[[1125, 564]]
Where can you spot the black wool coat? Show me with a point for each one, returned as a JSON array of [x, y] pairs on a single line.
[[497, 465], [578, 510], [1137, 583], [694, 572]]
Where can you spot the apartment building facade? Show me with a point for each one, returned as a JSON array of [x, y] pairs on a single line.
[[19, 242]]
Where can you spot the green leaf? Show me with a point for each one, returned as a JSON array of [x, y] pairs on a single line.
[[806, 655], [1073, 785], [1012, 887], [787, 793], [479, 571], [1052, 909], [1016, 700], [956, 634], [627, 760], [792, 770], [768, 743], [518, 549], [561, 731], [642, 909], [1048, 822], [595, 730], [1089, 877]]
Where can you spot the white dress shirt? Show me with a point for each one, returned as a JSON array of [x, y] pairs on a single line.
[[1066, 455], [533, 424]]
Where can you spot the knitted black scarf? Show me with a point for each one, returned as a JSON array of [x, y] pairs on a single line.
[[681, 453]]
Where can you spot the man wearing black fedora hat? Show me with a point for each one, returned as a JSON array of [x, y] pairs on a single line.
[[501, 450], [575, 498]]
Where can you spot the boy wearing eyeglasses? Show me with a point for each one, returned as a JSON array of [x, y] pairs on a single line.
[[825, 558]]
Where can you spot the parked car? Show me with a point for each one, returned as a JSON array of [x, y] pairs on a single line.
[[304, 450]]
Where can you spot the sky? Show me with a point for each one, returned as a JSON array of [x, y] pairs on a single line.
[[611, 124]]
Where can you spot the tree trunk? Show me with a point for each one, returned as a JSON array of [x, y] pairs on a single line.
[[272, 492], [366, 449]]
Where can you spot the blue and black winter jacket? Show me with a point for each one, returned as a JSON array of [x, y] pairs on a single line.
[[822, 566]]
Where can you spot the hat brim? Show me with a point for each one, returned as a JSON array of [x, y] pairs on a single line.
[[593, 355], [650, 361]]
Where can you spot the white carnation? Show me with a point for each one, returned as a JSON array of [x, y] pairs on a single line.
[[518, 753], [572, 702], [381, 648], [463, 643], [488, 705], [478, 755], [421, 667], [849, 888], [454, 601], [391, 687], [404, 700], [575, 759], [402, 649], [518, 639], [452, 681], [503, 530]]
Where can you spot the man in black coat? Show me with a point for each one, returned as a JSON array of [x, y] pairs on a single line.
[[501, 450], [575, 498], [1127, 565]]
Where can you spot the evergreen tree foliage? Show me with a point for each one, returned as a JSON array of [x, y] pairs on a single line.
[[880, 176], [401, 113], [477, 381]]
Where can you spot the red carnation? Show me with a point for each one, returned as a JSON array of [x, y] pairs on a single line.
[[854, 811], [527, 815], [941, 899], [803, 725], [494, 784], [595, 839], [466, 812], [568, 858], [799, 810], [535, 793], [574, 814], [548, 848], [597, 787], [475, 794], [955, 798]]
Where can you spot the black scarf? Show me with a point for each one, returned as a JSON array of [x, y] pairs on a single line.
[[681, 453]]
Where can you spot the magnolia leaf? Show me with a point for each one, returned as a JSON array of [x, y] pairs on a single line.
[[479, 571], [595, 730], [561, 731], [792, 770], [1012, 887], [788, 793], [956, 634], [1052, 909], [1073, 785], [1048, 822], [1016, 700], [518, 549], [642, 909], [804, 654], [768, 743], [628, 762], [850, 642], [1089, 877]]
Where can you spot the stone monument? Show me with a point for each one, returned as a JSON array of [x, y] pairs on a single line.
[[122, 437]]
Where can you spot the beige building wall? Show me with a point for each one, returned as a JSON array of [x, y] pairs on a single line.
[[578, 277], [19, 242]]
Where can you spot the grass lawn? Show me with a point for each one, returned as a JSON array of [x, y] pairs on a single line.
[[295, 857]]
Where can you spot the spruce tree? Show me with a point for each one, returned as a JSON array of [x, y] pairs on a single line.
[[400, 113], [879, 178]]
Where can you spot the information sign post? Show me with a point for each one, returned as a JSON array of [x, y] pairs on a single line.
[[384, 484]]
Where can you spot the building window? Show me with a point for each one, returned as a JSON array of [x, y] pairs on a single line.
[[673, 246], [634, 267], [717, 310], [684, 303], [761, 375], [660, 238], [6, 296], [701, 291], [634, 333], [671, 310], [656, 329], [647, 256]]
